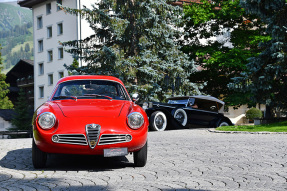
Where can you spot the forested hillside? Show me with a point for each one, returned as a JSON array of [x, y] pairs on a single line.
[[16, 34], [11, 15]]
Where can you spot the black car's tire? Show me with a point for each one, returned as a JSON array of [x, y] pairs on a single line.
[[140, 157], [180, 116], [39, 157], [158, 121], [223, 123]]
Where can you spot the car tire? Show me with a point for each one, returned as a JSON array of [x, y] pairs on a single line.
[[223, 123], [140, 157], [180, 116], [39, 157], [158, 121]]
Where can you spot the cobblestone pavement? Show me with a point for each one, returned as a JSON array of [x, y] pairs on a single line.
[[177, 160]]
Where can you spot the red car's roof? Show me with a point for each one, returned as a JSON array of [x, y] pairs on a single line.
[[89, 77]]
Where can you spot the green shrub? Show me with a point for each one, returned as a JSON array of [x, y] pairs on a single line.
[[253, 113]]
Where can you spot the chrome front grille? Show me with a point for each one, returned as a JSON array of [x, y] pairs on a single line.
[[75, 139], [93, 133], [107, 139]]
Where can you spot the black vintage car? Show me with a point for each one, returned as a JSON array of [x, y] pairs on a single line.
[[185, 112]]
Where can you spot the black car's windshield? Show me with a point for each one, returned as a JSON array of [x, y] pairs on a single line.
[[90, 89], [183, 101]]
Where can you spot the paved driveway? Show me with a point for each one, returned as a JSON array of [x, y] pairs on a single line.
[[177, 160]]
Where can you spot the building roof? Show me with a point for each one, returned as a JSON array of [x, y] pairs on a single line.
[[22, 64], [31, 62], [22, 69], [7, 114], [29, 3]]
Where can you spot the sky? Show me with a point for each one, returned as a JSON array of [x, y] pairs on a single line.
[[2, 1]]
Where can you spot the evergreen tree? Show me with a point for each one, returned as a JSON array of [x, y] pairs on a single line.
[[135, 40], [74, 65], [221, 36], [5, 103], [266, 73], [22, 120], [27, 47]]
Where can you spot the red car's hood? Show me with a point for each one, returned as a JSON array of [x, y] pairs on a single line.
[[91, 108]]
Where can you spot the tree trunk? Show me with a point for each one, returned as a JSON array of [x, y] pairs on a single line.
[[268, 112]]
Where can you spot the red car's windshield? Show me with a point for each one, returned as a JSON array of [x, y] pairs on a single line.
[[90, 89]]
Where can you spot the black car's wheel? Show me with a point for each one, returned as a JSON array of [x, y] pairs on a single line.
[[180, 116], [39, 157], [140, 157], [223, 123], [158, 121]]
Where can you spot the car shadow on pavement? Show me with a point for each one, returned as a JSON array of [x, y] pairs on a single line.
[[21, 159], [86, 162], [12, 183]]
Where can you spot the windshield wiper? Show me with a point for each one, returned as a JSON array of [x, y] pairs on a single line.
[[65, 97], [98, 95]]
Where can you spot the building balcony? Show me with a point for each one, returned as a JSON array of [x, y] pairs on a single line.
[[25, 82]]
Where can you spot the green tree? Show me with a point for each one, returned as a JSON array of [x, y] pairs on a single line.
[[73, 66], [221, 36], [135, 40], [27, 47], [22, 120], [266, 72], [5, 103]]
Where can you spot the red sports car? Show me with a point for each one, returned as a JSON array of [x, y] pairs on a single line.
[[90, 115]]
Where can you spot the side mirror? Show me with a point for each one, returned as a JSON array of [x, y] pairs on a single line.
[[135, 97]]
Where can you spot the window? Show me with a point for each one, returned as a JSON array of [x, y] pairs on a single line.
[[41, 92], [83, 87], [48, 8], [49, 32], [41, 69], [50, 55], [60, 28], [50, 79], [40, 46], [61, 74], [60, 53], [39, 22], [59, 2]]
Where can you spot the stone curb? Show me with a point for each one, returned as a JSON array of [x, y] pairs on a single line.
[[244, 132]]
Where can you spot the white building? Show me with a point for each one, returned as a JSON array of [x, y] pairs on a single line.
[[51, 26]]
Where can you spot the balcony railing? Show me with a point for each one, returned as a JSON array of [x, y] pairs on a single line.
[[22, 82]]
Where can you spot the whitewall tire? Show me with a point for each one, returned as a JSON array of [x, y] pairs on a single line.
[[158, 121], [180, 116], [223, 123]]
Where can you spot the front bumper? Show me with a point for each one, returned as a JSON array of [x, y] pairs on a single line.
[[67, 144], [74, 138]]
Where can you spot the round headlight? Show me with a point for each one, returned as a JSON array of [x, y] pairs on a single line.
[[135, 120], [47, 120], [145, 105]]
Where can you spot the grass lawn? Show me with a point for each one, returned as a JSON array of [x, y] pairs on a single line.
[[273, 127]]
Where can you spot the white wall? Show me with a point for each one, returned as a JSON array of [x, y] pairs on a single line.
[[4, 126], [237, 116], [69, 33]]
